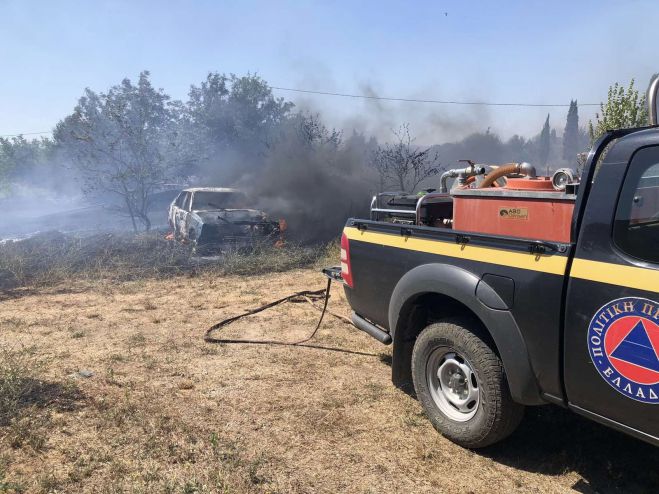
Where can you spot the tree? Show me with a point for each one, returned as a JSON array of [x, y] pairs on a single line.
[[123, 142], [26, 160], [231, 121], [6, 163], [404, 163], [571, 134], [544, 144], [624, 108], [517, 149], [313, 133]]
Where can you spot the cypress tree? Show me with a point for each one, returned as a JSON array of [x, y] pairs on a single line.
[[571, 133], [545, 143]]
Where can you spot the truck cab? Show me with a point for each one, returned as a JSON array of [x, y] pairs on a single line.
[[611, 319], [508, 297]]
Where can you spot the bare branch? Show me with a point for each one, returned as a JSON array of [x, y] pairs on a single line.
[[403, 164]]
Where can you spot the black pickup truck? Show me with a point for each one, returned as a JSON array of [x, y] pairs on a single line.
[[484, 324]]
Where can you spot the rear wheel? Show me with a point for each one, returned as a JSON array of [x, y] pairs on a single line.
[[460, 381]]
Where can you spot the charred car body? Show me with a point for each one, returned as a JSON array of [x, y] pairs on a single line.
[[217, 218]]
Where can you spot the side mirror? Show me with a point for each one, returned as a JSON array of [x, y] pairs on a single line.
[[652, 101]]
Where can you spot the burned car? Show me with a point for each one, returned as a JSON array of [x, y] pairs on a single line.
[[214, 218]]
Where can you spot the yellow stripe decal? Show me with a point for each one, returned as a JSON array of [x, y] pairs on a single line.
[[616, 274], [603, 272], [502, 257]]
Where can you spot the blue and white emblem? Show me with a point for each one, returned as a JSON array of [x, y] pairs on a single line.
[[623, 342]]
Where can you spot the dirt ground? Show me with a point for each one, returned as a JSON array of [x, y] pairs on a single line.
[[166, 412]]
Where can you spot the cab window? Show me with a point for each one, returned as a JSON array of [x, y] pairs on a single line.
[[636, 226]]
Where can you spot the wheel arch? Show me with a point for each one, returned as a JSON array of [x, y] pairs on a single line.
[[432, 291]]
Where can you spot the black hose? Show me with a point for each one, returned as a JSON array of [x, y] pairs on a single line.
[[309, 296]]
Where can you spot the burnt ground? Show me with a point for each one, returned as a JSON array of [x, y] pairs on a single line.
[[165, 412]]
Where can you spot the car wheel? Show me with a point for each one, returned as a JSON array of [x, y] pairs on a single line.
[[460, 381]]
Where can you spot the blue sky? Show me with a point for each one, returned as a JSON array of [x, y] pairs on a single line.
[[526, 51]]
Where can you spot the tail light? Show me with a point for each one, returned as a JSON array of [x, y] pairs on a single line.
[[346, 268]]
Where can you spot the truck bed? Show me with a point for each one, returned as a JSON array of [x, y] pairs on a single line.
[[528, 274]]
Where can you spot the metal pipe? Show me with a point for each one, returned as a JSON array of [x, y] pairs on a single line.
[[471, 171], [417, 209], [462, 173], [374, 202], [395, 211], [527, 169], [443, 180], [652, 101], [370, 329]]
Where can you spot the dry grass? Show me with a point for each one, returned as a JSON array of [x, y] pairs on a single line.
[[26, 405], [53, 258], [17, 369], [166, 412]]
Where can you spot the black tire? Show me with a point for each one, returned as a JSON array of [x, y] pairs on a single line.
[[495, 415]]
